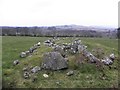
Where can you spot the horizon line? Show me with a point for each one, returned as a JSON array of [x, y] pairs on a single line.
[[103, 26]]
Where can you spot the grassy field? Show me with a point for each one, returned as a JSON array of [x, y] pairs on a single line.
[[0, 62], [85, 76]]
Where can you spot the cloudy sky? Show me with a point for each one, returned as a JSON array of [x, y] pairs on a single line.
[[58, 12]]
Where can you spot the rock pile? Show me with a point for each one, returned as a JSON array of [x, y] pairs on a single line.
[[72, 48], [56, 60], [31, 50], [49, 42], [28, 71], [109, 60]]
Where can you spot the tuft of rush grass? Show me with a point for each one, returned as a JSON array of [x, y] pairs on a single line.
[[85, 75]]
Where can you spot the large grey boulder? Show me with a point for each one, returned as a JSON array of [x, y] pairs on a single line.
[[54, 61]]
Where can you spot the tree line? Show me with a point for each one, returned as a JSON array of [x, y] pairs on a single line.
[[52, 31]]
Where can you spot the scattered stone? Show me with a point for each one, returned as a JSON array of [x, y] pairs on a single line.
[[90, 56], [93, 59], [23, 54], [26, 74], [103, 78], [61, 50], [54, 61], [16, 62], [45, 76], [74, 48], [87, 77], [35, 69], [33, 48], [107, 61], [70, 73], [27, 53], [49, 42], [25, 69], [80, 48], [112, 56], [31, 67], [38, 44], [58, 83]]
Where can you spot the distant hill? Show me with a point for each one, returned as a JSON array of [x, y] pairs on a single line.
[[80, 27], [61, 30], [73, 27]]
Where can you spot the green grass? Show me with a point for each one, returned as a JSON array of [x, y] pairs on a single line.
[[13, 75], [0, 62]]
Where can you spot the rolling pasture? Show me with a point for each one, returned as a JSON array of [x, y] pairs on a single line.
[[85, 75]]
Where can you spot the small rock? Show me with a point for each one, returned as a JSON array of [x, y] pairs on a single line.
[[35, 69], [112, 56], [45, 76], [27, 52], [31, 67], [23, 54], [107, 61], [58, 83], [26, 75], [16, 62], [103, 78], [87, 77], [38, 44], [25, 69], [70, 73]]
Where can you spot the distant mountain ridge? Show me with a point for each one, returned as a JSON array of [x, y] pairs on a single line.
[[80, 27], [72, 27]]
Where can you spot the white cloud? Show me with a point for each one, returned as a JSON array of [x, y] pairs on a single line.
[[56, 12]]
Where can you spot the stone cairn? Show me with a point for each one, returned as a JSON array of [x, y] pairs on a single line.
[[56, 59]]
